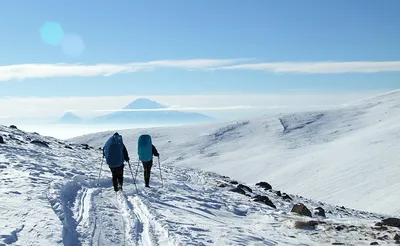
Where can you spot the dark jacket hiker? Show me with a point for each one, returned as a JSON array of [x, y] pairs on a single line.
[[146, 150], [115, 153]]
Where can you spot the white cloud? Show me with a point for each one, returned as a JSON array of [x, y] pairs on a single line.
[[233, 105], [226, 108], [319, 67], [26, 71], [178, 109]]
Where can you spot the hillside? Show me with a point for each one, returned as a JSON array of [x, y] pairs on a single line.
[[145, 111], [347, 155], [51, 195]]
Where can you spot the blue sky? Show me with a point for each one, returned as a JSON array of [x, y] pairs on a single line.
[[207, 47], [144, 31]]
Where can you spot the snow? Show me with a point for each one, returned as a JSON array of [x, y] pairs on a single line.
[[346, 156]]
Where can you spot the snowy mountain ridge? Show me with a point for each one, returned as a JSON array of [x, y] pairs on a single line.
[[346, 155], [52, 196], [211, 191]]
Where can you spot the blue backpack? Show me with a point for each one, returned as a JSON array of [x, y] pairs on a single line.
[[113, 151], [145, 148]]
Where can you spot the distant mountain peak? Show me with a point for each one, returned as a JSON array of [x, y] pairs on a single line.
[[144, 103], [68, 114], [70, 117]]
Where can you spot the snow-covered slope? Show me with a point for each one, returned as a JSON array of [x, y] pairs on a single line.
[[347, 155], [51, 195]]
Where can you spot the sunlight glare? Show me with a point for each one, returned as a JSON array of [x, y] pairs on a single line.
[[51, 33]]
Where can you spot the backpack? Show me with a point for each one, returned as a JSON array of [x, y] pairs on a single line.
[[145, 148], [114, 151]]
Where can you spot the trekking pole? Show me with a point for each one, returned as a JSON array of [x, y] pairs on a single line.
[[159, 165], [101, 166], [134, 181], [137, 168]]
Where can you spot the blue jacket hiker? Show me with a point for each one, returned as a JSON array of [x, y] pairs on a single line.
[[146, 150], [115, 153]]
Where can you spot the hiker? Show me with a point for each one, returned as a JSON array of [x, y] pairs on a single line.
[[115, 152], [146, 150]]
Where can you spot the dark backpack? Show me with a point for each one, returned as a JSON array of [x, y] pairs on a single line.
[[145, 148], [114, 151]]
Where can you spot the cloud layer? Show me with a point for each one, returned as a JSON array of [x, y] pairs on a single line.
[[28, 71], [320, 67], [226, 105]]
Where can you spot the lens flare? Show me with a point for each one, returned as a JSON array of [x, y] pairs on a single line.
[[72, 45], [51, 33]]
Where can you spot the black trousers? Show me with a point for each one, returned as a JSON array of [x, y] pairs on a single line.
[[117, 176], [147, 170]]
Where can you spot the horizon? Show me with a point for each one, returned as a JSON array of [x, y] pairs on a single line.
[[224, 61]]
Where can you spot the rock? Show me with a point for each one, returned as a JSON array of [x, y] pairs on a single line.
[[234, 182], [353, 228], [340, 228], [243, 187], [301, 209], [278, 193], [1, 140], [68, 147], [379, 228], [378, 224], [238, 190], [264, 199], [306, 224], [286, 197], [374, 243], [397, 237], [319, 211], [13, 127], [391, 222], [40, 143], [264, 185], [385, 237], [337, 243], [342, 208], [85, 146]]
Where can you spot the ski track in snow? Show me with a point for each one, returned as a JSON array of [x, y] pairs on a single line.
[[51, 196]]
